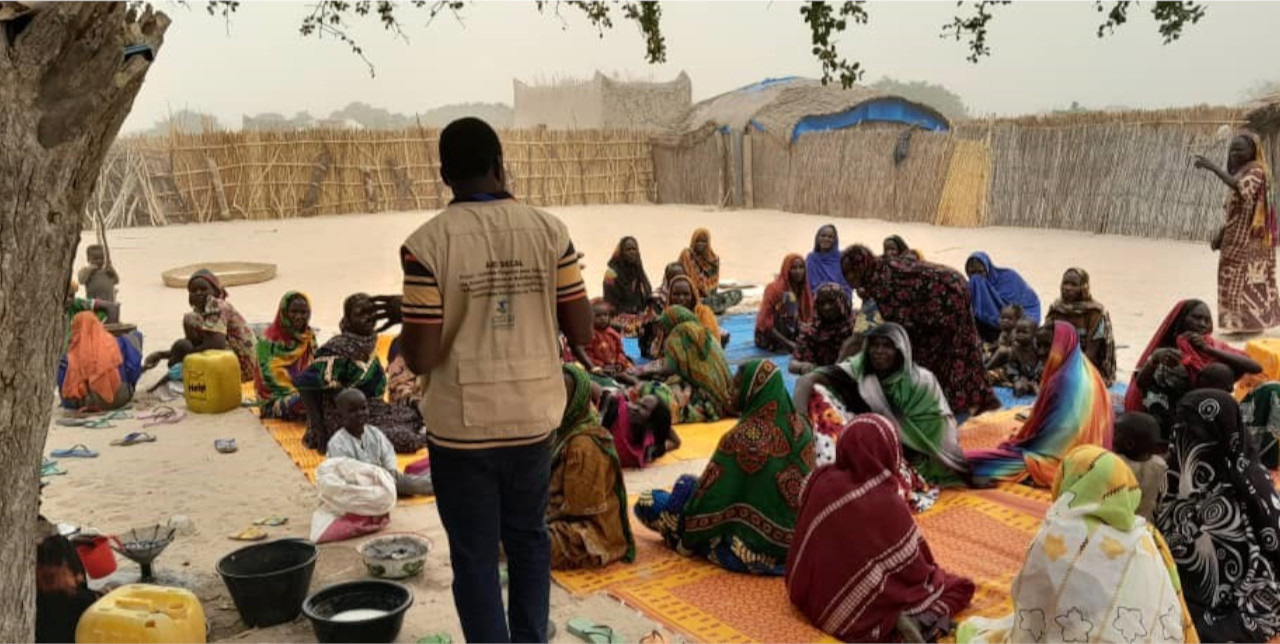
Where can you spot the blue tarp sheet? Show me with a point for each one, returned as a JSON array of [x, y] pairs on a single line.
[[888, 109]]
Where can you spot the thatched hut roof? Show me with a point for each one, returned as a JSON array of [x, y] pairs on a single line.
[[778, 106]]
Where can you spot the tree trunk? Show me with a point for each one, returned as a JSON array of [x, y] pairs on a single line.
[[65, 89]]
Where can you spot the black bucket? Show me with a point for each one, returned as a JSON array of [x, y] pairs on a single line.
[[269, 581], [389, 599]]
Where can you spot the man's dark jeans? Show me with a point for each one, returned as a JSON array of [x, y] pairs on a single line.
[[487, 496]]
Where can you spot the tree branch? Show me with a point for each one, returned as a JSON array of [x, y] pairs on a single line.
[[974, 28], [824, 21]]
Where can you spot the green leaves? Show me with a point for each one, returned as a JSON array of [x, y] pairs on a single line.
[[825, 21]]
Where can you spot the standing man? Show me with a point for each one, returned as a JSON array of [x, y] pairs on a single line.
[[487, 284]]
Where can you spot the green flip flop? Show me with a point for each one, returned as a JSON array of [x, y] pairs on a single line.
[[592, 632], [437, 638]]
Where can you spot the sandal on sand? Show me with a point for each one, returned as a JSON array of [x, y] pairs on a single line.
[[249, 534], [133, 438], [654, 637], [225, 445], [272, 521], [164, 415], [75, 451], [71, 422], [50, 468], [437, 638], [592, 632]]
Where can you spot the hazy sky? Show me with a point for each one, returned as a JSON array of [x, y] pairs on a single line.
[[1045, 55]]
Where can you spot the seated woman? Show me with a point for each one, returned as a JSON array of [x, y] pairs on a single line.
[[702, 265], [992, 288], [356, 438], [822, 266], [1077, 307], [787, 304], [213, 323], [641, 428], [99, 371], [1116, 582], [932, 303], [1220, 515], [896, 246], [1171, 363], [587, 511], [694, 366], [628, 291], [349, 360], [884, 585], [740, 514], [285, 350], [882, 379], [685, 294], [819, 342], [1073, 408]]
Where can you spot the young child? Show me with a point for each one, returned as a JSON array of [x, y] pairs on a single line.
[[359, 440], [1019, 365], [1009, 317], [1217, 376], [604, 355], [1137, 442], [97, 259]]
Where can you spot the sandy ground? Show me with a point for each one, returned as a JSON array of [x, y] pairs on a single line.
[[330, 257]]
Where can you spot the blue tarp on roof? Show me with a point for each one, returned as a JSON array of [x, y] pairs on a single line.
[[766, 84], [892, 110]]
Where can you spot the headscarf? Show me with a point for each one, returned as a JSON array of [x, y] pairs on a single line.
[[1221, 515], [912, 397], [626, 285], [1263, 224], [999, 288], [823, 267], [1079, 314], [702, 312], [775, 297], [1167, 336], [694, 354], [703, 269], [283, 351], [1095, 568], [210, 279], [1073, 408], [855, 588], [750, 491], [93, 360], [901, 243], [820, 340], [581, 419]]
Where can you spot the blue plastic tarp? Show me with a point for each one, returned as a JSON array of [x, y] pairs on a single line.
[[884, 110]]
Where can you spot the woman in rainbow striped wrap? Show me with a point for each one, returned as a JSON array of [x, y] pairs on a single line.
[[1074, 408]]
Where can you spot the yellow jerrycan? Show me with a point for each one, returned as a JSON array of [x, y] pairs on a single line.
[[143, 613], [211, 381]]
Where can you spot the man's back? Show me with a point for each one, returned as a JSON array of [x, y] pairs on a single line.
[[490, 272]]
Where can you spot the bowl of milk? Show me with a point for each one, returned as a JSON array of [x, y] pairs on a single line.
[[370, 610]]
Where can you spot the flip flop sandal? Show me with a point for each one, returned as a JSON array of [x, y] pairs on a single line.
[[156, 412], [75, 451], [98, 423], [249, 534], [71, 422], [437, 638], [225, 445], [654, 637], [134, 438], [50, 468], [272, 521], [592, 632], [173, 417]]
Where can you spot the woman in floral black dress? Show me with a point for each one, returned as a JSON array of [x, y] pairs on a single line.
[[932, 303]]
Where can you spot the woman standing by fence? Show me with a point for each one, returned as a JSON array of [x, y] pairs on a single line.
[[1247, 298]]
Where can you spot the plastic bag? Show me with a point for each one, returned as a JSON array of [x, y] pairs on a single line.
[[355, 499]]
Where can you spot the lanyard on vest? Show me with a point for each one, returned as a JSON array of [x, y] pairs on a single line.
[[483, 196]]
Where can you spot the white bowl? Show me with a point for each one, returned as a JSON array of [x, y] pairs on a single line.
[[395, 556]]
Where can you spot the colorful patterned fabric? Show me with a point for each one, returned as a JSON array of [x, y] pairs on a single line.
[[1092, 323], [93, 362], [587, 514], [932, 303], [626, 285], [1168, 336], [1095, 572], [782, 308], [741, 512], [913, 399], [1260, 411], [820, 340], [856, 588], [1221, 516], [1073, 408], [283, 353], [1247, 298], [703, 269], [998, 288], [219, 317], [823, 267], [695, 356]]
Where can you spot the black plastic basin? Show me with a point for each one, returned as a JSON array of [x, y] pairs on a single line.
[[390, 599], [269, 581]]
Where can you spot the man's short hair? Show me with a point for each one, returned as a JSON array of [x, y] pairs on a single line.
[[469, 148]]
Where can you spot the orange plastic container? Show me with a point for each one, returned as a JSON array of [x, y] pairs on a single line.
[[211, 381], [144, 614]]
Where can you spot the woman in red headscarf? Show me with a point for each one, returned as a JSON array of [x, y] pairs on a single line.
[[885, 581], [787, 305]]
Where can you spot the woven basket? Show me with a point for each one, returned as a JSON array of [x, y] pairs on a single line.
[[229, 273]]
